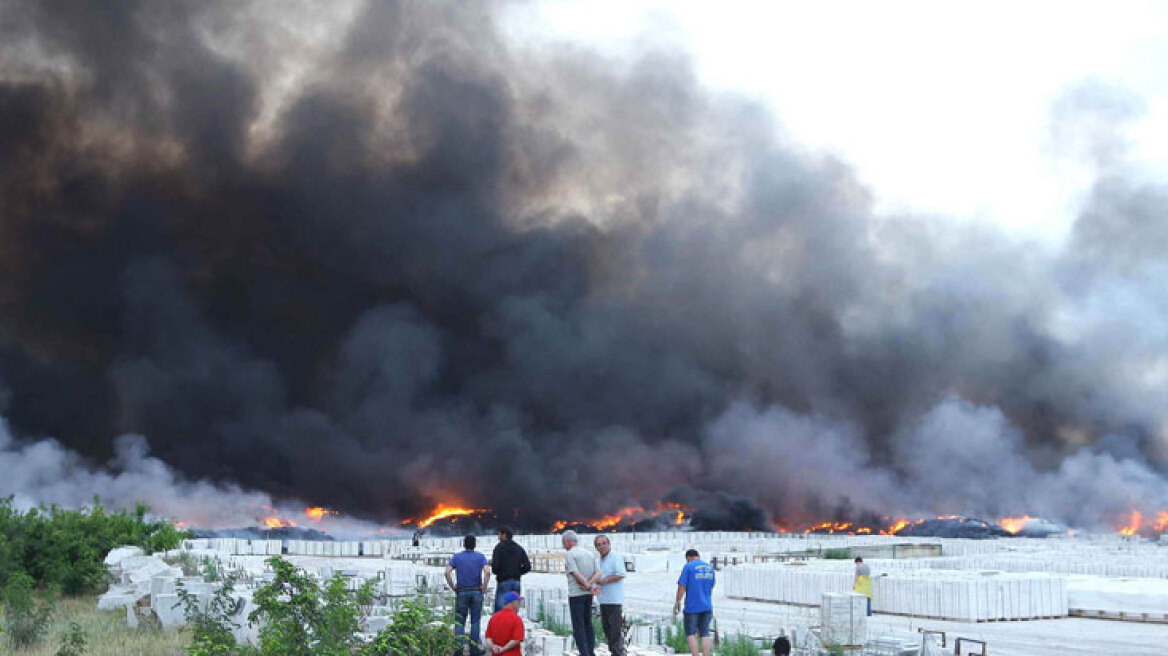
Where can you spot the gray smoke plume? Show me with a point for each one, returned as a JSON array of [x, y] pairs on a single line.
[[379, 256]]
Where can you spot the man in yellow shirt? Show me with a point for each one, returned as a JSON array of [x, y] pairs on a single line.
[[863, 582]]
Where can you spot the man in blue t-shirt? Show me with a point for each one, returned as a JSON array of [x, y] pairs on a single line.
[[695, 585], [472, 576]]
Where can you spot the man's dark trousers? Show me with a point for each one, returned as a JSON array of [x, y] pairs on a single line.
[[469, 602], [612, 620], [580, 608], [502, 588]]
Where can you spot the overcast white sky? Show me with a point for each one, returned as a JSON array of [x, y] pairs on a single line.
[[941, 107]]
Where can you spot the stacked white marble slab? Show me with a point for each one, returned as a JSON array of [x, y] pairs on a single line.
[[1086, 562], [843, 618], [971, 596], [958, 595]]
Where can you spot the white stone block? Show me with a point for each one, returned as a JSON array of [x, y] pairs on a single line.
[[115, 557], [115, 601]]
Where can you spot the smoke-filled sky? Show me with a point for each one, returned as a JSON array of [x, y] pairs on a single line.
[[377, 255]]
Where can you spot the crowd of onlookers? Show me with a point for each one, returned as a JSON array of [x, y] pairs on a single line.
[[590, 578]]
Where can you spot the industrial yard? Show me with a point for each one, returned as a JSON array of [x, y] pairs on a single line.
[[1025, 597]]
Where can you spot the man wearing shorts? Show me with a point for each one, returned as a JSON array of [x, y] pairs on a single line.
[[695, 586]]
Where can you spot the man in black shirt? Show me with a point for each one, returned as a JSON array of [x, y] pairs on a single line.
[[508, 563]]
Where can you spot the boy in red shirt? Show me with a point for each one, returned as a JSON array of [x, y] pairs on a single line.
[[505, 632]]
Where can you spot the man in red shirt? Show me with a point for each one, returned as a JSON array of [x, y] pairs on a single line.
[[505, 632]]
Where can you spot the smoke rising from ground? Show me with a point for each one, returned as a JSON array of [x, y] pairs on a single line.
[[380, 257]]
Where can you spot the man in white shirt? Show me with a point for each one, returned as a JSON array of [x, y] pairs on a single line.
[[582, 571], [611, 594]]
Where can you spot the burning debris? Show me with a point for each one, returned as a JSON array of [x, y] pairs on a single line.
[[283, 532], [445, 512]]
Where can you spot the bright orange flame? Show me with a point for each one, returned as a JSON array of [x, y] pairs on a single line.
[[1014, 524], [271, 521], [896, 527], [442, 511], [830, 527], [180, 524], [676, 511], [316, 513], [1161, 523], [608, 521], [1137, 518]]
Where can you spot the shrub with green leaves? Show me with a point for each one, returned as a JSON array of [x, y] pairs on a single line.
[[675, 638], [211, 624], [837, 554], [416, 630], [550, 623], [73, 641], [210, 569], [64, 549], [738, 645], [299, 618], [25, 618]]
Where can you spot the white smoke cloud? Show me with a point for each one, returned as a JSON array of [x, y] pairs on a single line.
[[45, 472]]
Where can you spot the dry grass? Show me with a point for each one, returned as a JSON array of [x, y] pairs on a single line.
[[106, 633]]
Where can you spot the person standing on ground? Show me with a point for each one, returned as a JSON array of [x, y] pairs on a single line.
[[582, 571], [695, 586], [782, 646], [473, 576], [610, 587], [863, 582], [505, 630], [509, 562]]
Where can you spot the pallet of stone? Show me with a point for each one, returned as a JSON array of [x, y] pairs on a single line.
[[541, 642], [1122, 616], [547, 563], [843, 618], [967, 596]]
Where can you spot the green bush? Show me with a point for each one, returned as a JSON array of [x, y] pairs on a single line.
[[25, 619], [837, 554], [64, 549], [298, 618], [738, 645], [550, 623], [210, 569], [416, 630], [675, 638], [211, 625], [72, 641]]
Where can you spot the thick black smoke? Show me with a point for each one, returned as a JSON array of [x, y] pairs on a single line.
[[376, 256]]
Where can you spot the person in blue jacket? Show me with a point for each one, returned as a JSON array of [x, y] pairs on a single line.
[[695, 586]]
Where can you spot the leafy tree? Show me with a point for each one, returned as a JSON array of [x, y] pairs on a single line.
[[299, 618], [63, 549]]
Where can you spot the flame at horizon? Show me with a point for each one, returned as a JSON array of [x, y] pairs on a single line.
[[443, 511]]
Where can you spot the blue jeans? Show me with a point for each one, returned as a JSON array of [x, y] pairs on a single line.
[[580, 609], [472, 601], [698, 623], [502, 588]]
